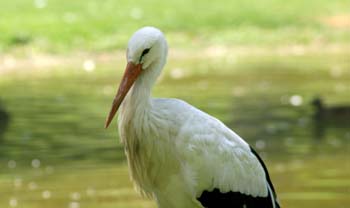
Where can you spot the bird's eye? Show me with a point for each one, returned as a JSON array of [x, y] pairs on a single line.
[[144, 52]]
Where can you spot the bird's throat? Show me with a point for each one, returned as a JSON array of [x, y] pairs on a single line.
[[138, 100]]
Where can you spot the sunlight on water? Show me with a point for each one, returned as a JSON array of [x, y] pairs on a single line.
[[55, 152]]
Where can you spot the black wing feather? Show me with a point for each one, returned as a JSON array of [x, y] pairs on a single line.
[[217, 199]]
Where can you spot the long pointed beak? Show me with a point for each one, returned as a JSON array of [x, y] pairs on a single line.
[[131, 73]]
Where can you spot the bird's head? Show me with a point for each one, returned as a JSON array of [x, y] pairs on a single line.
[[146, 46], [317, 102], [146, 54]]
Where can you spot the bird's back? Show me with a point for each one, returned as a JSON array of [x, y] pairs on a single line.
[[190, 119]]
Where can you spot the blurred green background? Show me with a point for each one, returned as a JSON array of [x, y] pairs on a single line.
[[256, 65]]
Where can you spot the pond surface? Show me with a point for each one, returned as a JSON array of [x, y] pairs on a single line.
[[54, 151]]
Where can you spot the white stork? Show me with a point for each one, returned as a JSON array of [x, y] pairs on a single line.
[[177, 154]]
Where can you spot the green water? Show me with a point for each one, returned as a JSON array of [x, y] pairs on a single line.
[[56, 153]]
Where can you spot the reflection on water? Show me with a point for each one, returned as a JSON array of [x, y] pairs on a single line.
[[4, 121], [57, 154]]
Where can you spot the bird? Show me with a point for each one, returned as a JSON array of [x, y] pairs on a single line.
[[340, 112], [177, 154], [326, 117]]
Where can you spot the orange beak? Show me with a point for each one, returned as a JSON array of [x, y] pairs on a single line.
[[131, 73]]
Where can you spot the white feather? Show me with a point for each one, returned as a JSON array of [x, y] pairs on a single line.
[[174, 150]]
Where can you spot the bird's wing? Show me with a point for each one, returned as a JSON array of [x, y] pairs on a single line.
[[219, 167], [218, 160]]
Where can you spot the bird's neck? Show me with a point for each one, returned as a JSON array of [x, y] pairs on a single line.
[[138, 99], [137, 103], [135, 121]]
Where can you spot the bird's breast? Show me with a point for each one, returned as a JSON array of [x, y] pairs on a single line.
[[147, 152]]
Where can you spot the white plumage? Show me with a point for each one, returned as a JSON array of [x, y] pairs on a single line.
[[175, 151]]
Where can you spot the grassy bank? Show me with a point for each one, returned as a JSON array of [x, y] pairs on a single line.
[[63, 25]]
